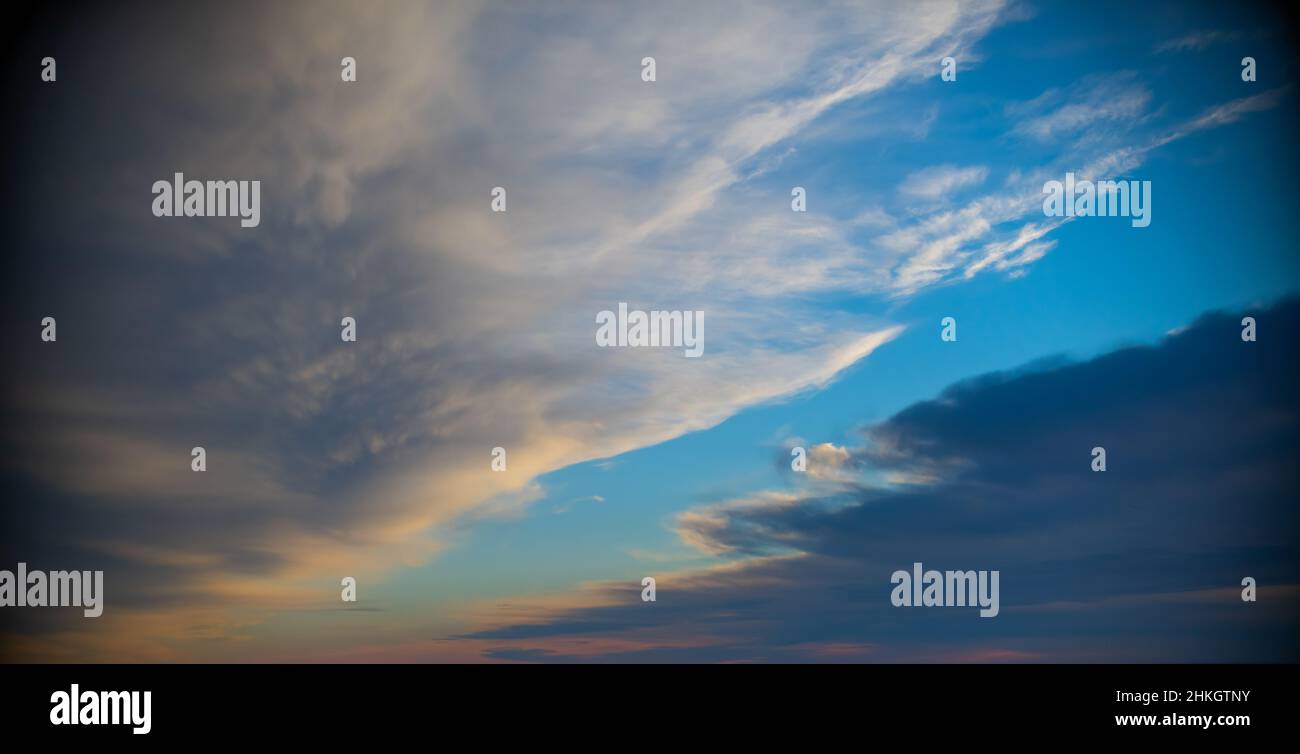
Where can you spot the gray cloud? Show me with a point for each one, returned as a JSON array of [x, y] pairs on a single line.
[[1142, 562], [475, 329]]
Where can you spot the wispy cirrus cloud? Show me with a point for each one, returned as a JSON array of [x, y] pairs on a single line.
[[938, 181], [1196, 41], [1115, 99], [1006, 231]]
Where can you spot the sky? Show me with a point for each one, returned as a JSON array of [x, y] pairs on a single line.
[[372, 459]]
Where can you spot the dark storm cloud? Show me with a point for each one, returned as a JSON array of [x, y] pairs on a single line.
[[1141, 562]]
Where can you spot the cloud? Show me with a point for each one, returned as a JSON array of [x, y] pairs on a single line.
[[1108, 133], [475, 330], [1114, 98], [567, 506], [1196, 41], [1140, 563], [937, 182], [1231, 112]]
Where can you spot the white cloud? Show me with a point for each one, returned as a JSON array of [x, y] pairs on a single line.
[[937, 182], [1116, 100], [1196, 40]]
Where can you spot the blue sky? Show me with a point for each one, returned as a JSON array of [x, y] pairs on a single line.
[[475, 328]]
